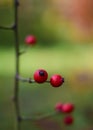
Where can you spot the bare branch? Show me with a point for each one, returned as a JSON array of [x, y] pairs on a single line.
[[34, 118], [29, 80], [6, 28]]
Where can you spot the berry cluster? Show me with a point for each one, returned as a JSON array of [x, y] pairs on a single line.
[[41, 76], [65, 108]]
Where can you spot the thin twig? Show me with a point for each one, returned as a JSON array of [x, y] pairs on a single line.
[[25, 79], [48, 115], [6, 28], [24, 51], [29, 80]]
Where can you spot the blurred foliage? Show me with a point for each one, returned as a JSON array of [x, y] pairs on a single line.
[[50, 21]]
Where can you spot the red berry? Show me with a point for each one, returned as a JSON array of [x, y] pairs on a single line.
[[67, 107], [56, 80], [40, 76], [68, 120], [58, 107], [30, 40]]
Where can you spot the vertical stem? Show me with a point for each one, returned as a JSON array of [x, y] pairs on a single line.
[[16, 89], [16, 47]]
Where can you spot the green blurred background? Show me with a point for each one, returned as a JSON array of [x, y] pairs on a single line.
[[60, 48]]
